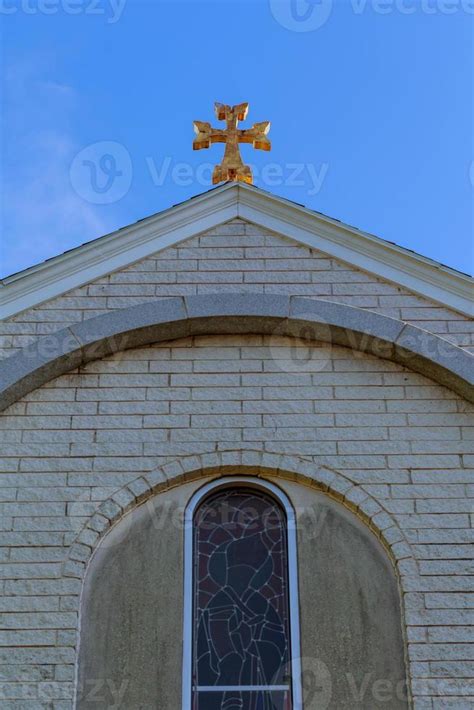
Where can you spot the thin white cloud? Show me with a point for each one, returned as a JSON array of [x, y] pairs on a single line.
[[41, 213]]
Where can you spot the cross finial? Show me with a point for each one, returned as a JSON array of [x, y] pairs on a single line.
[[232, 167]]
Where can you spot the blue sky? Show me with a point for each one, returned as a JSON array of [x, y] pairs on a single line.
[[370, 103]]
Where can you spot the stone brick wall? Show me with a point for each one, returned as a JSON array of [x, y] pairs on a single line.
[[390, 442], [237, 257]]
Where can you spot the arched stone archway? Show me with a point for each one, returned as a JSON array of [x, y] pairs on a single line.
[[239, 461], [172, 318]]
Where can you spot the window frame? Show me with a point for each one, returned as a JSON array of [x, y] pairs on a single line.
[[230, 482]]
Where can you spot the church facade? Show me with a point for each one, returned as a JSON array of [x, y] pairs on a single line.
[[237, 468]]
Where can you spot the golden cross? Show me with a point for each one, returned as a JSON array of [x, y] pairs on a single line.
[[232, 167]]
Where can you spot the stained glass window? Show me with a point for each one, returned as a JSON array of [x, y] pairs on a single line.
[[241, 622]]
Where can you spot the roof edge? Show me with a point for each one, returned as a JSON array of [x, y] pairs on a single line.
[[366, 251], [119, 249]]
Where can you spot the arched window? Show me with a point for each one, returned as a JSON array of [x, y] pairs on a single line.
[[241, 636]]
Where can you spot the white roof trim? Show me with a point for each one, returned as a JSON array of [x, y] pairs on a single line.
[[119, 249]]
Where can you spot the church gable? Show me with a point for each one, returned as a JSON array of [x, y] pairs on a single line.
[[355, 428], [234, 257]]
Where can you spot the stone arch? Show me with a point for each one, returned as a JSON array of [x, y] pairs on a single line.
[[240, 462], [172, 318]]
